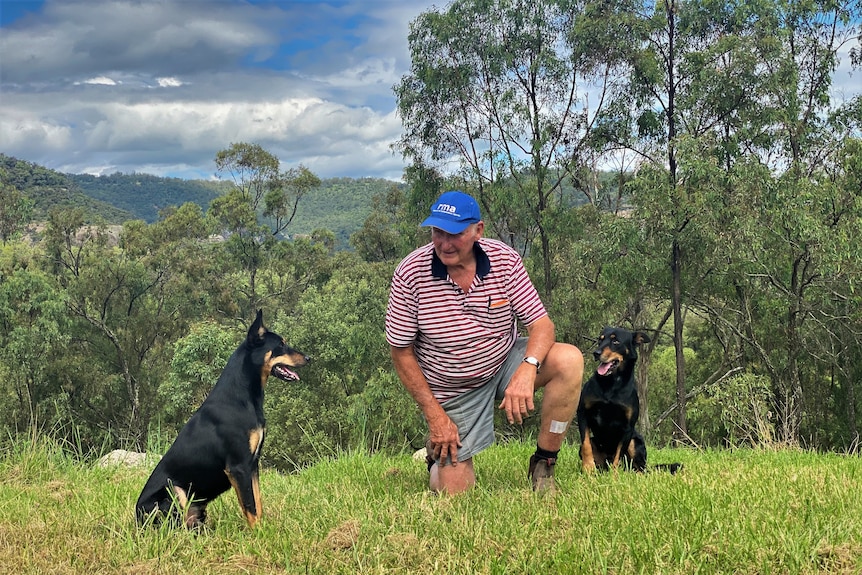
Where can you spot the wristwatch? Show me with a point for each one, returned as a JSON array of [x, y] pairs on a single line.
[[533, 361]]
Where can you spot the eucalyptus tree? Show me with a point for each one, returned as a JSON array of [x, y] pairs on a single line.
[[32, 319], [15, 210], [129, 297], [779, 235], [380, 239], [693, 80], [806, 213], [259, 207], [750, 134], [498, 91]]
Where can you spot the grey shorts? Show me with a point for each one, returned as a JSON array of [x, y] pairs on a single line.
[[473, 412]]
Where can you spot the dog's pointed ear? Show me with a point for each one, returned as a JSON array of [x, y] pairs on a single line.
[[640, 337], [257, 330]]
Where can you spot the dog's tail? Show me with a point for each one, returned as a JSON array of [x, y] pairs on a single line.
[[672, 468]]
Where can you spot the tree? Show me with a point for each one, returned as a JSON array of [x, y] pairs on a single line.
[[258, 209], [32, 320], [693, 80], [496, 88], [15, 210], [782, 160], [332, 407], [380, 238], [127, 300]]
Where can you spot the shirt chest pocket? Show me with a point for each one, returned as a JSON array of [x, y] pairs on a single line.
[[498, 316]]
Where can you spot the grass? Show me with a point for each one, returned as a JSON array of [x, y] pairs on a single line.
[[743, 511]]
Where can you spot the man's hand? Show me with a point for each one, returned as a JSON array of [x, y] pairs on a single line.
[[444, 440], [518, 399]]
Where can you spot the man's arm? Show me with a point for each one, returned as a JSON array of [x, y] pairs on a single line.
[[518, 400], [443, 433]]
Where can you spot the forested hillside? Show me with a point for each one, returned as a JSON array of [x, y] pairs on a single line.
[[339, 205], [144, 195], [48, 189]]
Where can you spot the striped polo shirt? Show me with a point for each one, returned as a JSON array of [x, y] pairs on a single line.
[[460, 339]]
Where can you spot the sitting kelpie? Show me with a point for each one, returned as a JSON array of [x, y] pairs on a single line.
[[609, 407], [220, 446]]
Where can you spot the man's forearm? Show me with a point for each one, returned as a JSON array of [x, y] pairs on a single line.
[[541, 336], [413, 380]]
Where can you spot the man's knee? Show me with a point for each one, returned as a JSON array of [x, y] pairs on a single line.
[[452, 479], [565, 363]]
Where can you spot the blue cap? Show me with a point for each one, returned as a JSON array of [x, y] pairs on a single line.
[[453, 212]]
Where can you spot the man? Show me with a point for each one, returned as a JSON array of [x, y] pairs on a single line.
[[452, 327]]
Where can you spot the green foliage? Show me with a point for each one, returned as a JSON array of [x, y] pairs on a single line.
[[379, 239], [343, 391], [46, 189], [744, 403], [337, 204], [730, 220], [34, 338], [14, 211], [145, 195], [198, 359], [342, 205]]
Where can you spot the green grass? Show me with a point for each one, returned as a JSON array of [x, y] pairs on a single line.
[[743, 511]]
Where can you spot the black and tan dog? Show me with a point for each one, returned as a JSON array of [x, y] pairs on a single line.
[[220, 446], [609, 407]]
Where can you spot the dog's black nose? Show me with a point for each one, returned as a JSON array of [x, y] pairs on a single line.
[[596, 354]]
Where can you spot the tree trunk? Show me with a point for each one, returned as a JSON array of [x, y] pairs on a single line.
[[681, 430]]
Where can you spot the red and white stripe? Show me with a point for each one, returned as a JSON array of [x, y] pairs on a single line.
[[461, 339]]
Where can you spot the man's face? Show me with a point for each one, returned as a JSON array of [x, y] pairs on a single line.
[[456, 249]]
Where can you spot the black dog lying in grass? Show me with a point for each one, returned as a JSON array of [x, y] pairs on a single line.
[[220, 446], [609, 406]]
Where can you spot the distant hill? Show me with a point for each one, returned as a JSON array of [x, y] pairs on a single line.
[[144, 195], [48, 189], [340, 205]]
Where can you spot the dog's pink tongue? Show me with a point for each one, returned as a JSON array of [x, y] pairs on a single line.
[[604, 368]]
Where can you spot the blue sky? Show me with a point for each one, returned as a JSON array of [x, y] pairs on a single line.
[[159, 86]]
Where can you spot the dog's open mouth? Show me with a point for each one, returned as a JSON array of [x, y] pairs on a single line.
[[606, 367], [281, 372]]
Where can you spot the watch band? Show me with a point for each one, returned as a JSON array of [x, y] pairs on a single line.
[[533, 361]]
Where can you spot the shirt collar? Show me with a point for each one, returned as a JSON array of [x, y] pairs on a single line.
[[483, 263]]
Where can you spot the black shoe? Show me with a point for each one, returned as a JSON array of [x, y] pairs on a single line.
[[541, 474]]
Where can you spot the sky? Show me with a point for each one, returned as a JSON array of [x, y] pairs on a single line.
[[160, 86]]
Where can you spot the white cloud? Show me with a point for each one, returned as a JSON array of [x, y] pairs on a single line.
[[99, 81], [169, 82], [99, 86]]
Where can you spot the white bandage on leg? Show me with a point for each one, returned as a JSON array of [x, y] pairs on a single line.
[[558, 426]]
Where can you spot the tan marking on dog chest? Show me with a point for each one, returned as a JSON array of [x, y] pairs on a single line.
[[181, 496]]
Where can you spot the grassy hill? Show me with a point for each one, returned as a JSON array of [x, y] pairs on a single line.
[[744, 511]]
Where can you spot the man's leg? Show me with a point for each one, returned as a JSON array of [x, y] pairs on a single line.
[[473, 415], [561, 377]]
